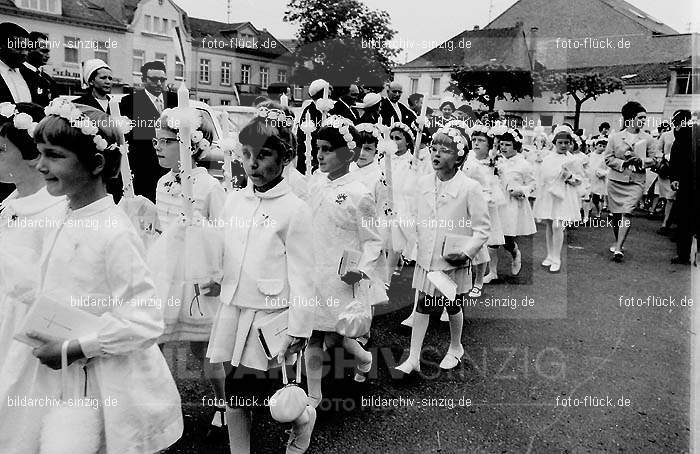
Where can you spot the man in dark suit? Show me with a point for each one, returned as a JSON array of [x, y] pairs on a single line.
[[345, 105], [685, 172], [13, 86], [97, 75], [41, 85], [391, 110], [316, 92], [144, 108]]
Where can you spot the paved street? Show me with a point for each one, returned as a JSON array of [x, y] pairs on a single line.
[[523, 365]]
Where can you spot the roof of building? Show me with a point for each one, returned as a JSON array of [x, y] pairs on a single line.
[[82, 12], [222, 32], [641, 74], [494, 46]]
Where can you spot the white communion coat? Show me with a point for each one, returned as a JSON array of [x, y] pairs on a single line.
[[97, 254]]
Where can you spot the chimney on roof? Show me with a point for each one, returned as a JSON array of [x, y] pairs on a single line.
[[476, 27], [532, 46]]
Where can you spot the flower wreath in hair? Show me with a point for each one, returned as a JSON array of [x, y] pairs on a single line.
[[481, 129], [513, 133], [498, 129], [370, 128], [456, 136], [405, 128], [178, 117], [276, 115], [342, 124], [20, 120], [77, 119]]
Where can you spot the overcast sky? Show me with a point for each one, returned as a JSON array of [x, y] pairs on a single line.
[[437, 19]]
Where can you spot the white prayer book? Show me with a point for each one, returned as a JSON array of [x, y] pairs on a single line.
[[455, 244], [349, 261], [444, 284], [53, 319], [272, 331]]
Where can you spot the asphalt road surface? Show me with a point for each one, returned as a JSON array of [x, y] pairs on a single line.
[[594, 359]]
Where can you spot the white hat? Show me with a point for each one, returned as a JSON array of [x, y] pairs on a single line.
[[89, 68], [317, 85], [370, 99]]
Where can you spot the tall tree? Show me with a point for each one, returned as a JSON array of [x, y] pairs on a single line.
[[488, 83], [581, 86], [341, 41]]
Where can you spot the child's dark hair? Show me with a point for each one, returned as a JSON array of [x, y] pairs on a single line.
[[335, 138], [511, 136], [58, 131], [275, 134], [484, 134], [206, 127], [366, 137], [631, 109], [20, 137]]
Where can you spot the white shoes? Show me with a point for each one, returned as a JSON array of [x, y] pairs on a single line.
[[547, 262], [517, 263], [490, 277], [451, 359], [363, 369], [409, 366], [555, 267]]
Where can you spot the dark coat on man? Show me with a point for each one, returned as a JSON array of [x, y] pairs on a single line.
[[142, 156], [685, 169], [342, 109], [41, 85], [89, 100], [389, 116]]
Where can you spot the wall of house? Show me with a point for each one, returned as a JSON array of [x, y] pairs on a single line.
[[156, 41], [68, 72]]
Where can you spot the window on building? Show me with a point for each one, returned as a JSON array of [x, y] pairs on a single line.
[[137, 61], [435, 89], [72, 54], [264, 77], [225, 102], [282, 76], [166, 28], [298, 92], [245, 74], [225, 73], [162, 57], [687, 83], [46, 6], [414, 85], [147, 23], [204, 100], [204, 70], [179, 68], [546, 120], [102, 52]]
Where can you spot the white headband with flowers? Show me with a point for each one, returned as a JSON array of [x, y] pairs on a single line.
[[67, 110], [21, 120], [498, 129], [405, 128], [276, 115], [342, 124], [480, 128], [370, 128], [513, 132], [178, 117], [456, 136]]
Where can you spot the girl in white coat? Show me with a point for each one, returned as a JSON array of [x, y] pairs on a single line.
[[267, 262], [445, 203], [518, 183], [96, 254], [343, 220], [479, 167], [558, 200]]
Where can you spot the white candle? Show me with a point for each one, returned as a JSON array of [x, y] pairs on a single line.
[[284, 100], [185, 132], [307, 146], [124, 167], [421, 125]]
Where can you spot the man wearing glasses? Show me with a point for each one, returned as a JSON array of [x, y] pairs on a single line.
[[391, 110], [144, 108]]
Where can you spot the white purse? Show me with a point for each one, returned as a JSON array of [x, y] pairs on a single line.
[[71, 427], [288, 403]]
